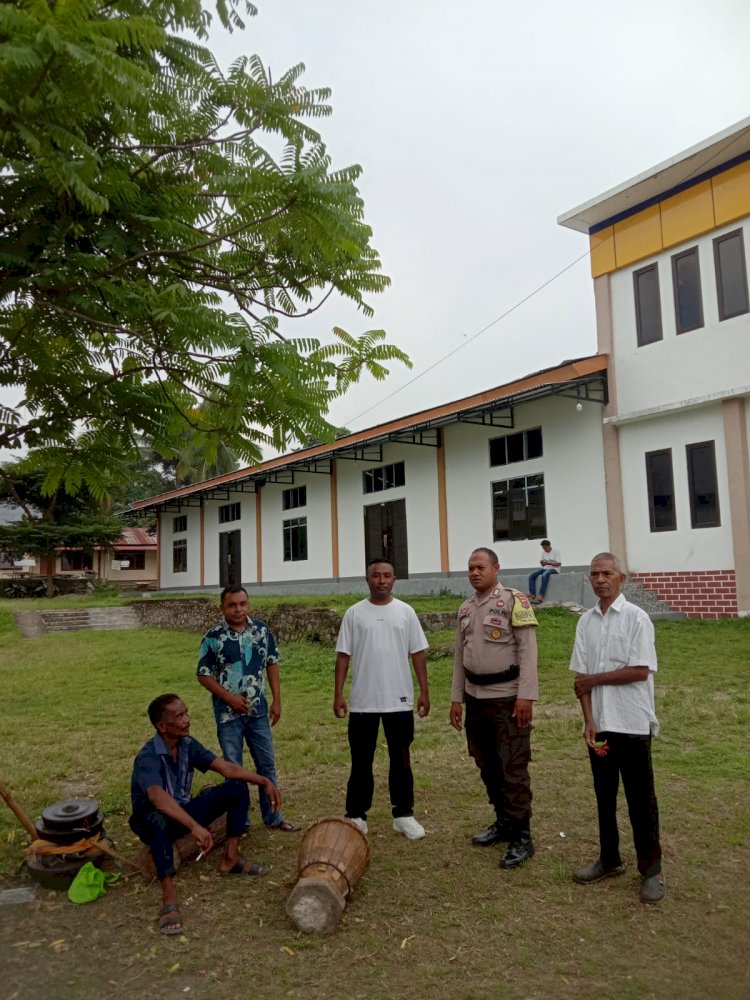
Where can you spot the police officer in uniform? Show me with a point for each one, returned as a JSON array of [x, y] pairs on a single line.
[[495, 675]]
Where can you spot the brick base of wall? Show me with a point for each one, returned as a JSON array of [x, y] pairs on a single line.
[[708, 594]]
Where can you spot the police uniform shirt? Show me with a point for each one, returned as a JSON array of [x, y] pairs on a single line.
[[495, 633]]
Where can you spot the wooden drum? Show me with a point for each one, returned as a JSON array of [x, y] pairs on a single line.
[[333, 856]]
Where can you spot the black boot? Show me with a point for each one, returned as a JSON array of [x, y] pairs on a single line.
[[498, 832], [520, 849]]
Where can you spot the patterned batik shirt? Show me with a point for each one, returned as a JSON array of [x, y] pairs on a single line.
[[238, 661]]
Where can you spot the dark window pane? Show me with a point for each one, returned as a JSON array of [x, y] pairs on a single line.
[[534, 443], [647, 305], [518, 510], [537, 518], [399, 476], [515, 447], [704, 495], [497, 451], [688, 302], [377, 480], [179, 523], [731, 275], [367, 481], [660, 484], [500, 512], [295, 539], [388, 481], [229, 512], [179, 556]]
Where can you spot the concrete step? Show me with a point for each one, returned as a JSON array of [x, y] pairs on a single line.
[[98, 619], [636, 593]]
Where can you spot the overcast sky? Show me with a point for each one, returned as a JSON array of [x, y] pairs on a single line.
[[477, 124]]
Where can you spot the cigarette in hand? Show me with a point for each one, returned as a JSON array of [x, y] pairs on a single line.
[[200, 855]]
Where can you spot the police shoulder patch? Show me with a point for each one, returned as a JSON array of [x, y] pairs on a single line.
[[523, 613]]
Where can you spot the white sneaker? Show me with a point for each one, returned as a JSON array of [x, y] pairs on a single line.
[[359, 822], [409, 827]]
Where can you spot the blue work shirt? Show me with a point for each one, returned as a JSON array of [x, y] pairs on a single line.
[[154, 766], [238, 661]]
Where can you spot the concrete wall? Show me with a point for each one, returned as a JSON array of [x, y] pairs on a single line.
[[686, 548], [572, 465], [712, 359]]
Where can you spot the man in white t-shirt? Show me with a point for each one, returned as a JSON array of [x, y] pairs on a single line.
[[550, 563], [380, 634]]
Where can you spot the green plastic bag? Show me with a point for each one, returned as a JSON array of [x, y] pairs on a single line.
[[89, 884]]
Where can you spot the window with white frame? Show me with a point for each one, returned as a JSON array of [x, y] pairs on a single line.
[[295, 496], [386, 477], [229, 512], [295, 539], [179, 555], [516, 447], [518, 509]]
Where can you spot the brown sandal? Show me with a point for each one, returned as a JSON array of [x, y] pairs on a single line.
[[170, 919]]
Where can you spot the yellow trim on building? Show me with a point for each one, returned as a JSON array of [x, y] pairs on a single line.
[[731, 191], [693, 212], [603, 252], [687, 214], [638, 237]]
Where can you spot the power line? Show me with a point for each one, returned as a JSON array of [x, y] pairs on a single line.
[[473, 337]]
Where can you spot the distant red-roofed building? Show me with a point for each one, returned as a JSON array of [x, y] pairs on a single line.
[[133, 560]]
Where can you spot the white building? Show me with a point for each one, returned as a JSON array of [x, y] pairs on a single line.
[[669, 262], [641, 449], [501, 468]]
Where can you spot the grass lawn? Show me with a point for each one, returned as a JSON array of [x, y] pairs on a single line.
[[430, 918]]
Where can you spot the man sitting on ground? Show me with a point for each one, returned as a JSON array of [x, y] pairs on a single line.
[[164, 810]]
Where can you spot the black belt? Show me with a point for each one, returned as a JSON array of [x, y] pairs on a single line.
[[497, 678]]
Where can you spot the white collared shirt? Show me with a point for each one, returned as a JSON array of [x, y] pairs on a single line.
[[623, 637]]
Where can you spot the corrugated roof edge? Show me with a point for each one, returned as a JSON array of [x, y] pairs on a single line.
[[566, 371]]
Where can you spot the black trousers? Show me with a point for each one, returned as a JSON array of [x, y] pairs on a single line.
[[363, 736], [629, 757], [158, 832], [502, 751]]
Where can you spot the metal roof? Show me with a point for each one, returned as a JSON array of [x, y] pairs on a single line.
[[582, 378]]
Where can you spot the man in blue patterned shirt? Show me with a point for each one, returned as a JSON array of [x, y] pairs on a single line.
[[236, 656]]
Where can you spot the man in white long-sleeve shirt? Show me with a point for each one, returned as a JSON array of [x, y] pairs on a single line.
[[614, 659]]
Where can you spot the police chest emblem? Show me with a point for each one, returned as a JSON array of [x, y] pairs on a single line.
[[500, 603], [495, 633]]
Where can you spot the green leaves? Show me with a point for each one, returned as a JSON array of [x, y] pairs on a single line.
[[152, 244]]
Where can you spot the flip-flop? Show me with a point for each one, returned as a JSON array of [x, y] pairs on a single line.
[[241, 868], [170, 919], [287, 826]]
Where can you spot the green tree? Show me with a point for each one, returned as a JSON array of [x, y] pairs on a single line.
[[151, 243]]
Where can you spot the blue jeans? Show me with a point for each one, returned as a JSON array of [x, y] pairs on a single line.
[[255, 730], [545, 575]]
